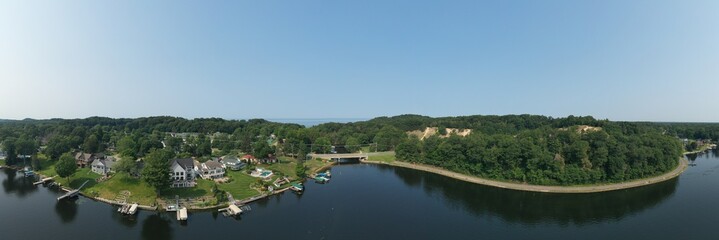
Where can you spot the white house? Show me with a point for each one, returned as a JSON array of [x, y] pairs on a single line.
[[211, 170], [182, 172], [103, 166], [232, 163]]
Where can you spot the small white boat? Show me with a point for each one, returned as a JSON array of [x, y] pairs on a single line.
[[171, 208], [133, 209]]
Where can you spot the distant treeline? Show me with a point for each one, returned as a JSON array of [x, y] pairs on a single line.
[[526, 148]]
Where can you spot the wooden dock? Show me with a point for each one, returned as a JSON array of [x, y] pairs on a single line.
[[44, 180], [232, 210], [72, 193]]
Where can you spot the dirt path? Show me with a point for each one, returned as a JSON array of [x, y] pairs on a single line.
[[538, 188]]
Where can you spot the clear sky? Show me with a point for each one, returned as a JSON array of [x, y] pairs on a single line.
[[623, 60]]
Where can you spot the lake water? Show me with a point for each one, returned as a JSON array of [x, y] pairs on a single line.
[[381, 202]]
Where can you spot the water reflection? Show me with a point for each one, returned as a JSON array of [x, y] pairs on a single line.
[[156, 227], [66, 209], [128, 221], [17, 183], [534, 208]]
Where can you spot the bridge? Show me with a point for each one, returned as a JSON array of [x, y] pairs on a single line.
[[338, 156], [72, 193]]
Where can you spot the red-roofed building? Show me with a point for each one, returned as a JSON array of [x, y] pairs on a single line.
[[248, 158]]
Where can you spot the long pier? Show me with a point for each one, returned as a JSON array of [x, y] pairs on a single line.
[[44, 180], [73, 192]]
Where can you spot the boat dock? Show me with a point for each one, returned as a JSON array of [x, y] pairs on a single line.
[[72, 193], [182, 214], [44, 180], [232, 210], [129, 209]]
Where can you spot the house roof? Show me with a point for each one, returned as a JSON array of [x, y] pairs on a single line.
[[230, 159], [185, 163], [83, 156], [212, 164], [104, 162], [248, 156]]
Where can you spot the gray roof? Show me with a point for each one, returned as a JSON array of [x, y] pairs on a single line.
[[185, 163], [213, 164], [105, 162], [231, 160]]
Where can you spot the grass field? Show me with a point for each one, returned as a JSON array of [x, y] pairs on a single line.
[[383, 157], [240, 185], [203, 189], [140, 192]]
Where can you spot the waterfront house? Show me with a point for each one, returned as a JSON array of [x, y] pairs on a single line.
[[248, 159], [103, 166], [232, 163], [210, 170], [84, 159], [182, 172]]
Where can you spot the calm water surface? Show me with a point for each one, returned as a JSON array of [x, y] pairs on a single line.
[[381, 202]]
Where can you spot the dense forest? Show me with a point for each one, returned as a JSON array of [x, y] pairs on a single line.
[[525, 148]]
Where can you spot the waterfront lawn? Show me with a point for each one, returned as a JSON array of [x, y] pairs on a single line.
[[314, 165], [240, 185], [76, 179], [203, 189], [387, 157], [285, 167], [140, 192], [2, 162]]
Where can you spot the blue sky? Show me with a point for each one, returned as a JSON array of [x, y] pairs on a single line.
[[622, 60]]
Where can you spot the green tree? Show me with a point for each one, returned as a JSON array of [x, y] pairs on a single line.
[[409, 150], [388, 138], [173, 143], [261, 149], [300, 168], [352, 144], [66, 166], [156, 171], [127, 165], [91, 144], [127, 147], [322, 145], [26, 146], [56, 146], [10, 150], [36, 161]]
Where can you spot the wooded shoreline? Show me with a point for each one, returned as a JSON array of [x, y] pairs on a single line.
[[681, 167]]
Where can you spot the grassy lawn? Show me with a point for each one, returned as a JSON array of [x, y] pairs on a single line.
[[203, 189], [240, 185], [140, 192], [48, 168], [285, 167], [384, 157], [2, 162], [76, 179]]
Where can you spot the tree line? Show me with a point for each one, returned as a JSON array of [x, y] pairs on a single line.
[[528, 148]]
